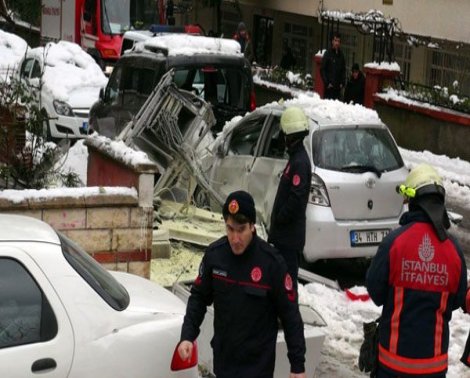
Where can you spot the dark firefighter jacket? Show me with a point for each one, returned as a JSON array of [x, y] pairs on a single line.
[[287, 228], [466, 354], [249, 292], [333, 68], [419, 281]]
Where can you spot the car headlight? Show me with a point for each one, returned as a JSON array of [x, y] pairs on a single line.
[[318, 193], [62, 108]]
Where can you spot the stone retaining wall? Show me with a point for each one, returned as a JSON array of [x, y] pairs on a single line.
[[112, 228]]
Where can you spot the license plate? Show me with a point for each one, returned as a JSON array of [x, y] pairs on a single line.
[[85, 126], [367, 237]]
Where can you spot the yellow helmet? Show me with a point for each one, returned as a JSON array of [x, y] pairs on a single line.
[[423, 179], [293, 120]]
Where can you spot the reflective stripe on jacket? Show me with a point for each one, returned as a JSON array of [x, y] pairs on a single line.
[[419, 281]]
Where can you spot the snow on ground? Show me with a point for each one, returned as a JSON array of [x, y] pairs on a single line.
[[75, 160]]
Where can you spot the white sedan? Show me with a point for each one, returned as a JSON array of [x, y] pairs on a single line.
[[63, 315]]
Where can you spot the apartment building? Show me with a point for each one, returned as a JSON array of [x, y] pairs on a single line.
[[431, 39]]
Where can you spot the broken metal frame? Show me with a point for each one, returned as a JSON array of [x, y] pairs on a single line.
[[169, 127]]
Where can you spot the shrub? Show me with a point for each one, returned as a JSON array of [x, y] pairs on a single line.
[[27, 160]]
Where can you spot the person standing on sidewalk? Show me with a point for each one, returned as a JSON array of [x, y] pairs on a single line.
[[333, 69]]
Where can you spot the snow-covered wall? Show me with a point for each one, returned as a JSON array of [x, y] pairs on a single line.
[[442, 19]]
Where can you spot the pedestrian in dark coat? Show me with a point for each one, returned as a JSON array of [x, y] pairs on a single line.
[[333, 69], [247, 281], [354, 91], [419, 276], [241, 36], [288, 220], [288, 60]]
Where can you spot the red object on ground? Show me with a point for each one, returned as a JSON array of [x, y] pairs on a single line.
[[356, 297]]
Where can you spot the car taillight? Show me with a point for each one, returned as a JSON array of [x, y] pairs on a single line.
[[178, 364], [252, 101], [318, 194]]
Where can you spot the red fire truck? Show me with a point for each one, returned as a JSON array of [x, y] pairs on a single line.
[[96, 25]]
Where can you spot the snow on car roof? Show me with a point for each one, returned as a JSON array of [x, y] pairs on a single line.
[[330, 111], [12, 50], [22, 228], [184, 44], [68, 67]]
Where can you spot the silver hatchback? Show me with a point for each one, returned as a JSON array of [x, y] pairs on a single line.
[[356, 167]]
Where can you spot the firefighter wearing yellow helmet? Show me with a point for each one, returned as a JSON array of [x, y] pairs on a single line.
[[288, 221], [419, 276]]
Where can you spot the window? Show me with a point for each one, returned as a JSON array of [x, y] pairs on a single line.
[[403, 58], [298, 38], [449, 67], [275, 143], [36, 73], [351, 149], [26, 68], [245, 137], [217, 85], [112, 89], [25, 314], [95, 275]]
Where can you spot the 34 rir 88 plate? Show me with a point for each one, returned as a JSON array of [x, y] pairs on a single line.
[[367, 237]]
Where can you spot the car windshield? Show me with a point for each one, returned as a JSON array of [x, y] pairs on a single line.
[[221, 86], [95, 275], [355, 150], [116, 16]]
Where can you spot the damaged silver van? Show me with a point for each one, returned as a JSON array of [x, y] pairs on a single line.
[[212, 68]]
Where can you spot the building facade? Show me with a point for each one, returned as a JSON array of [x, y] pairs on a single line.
[[430, 40]]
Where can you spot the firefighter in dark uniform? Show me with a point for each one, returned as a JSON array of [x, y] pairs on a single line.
[[288, 221], [466, 307], [419, 276], [247, 281]]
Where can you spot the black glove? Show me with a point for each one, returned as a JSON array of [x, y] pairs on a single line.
[[369, 348]]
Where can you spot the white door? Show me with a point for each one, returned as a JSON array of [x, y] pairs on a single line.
[[232, 168], [36, 337]]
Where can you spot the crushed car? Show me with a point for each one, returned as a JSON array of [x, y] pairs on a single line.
[[63, 315], [356, 166]]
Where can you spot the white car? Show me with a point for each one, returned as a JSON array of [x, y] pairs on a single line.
[[66, 81], [356, 167], [63, 315]]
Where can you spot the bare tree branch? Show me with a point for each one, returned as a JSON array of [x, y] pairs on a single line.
[[5, 13]]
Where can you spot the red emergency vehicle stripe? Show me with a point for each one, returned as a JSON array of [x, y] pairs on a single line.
[[395, 322], [401, 364], [440, 324]]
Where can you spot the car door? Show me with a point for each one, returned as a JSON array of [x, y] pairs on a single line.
[[36, 336], [232, 167], [267, 168]]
